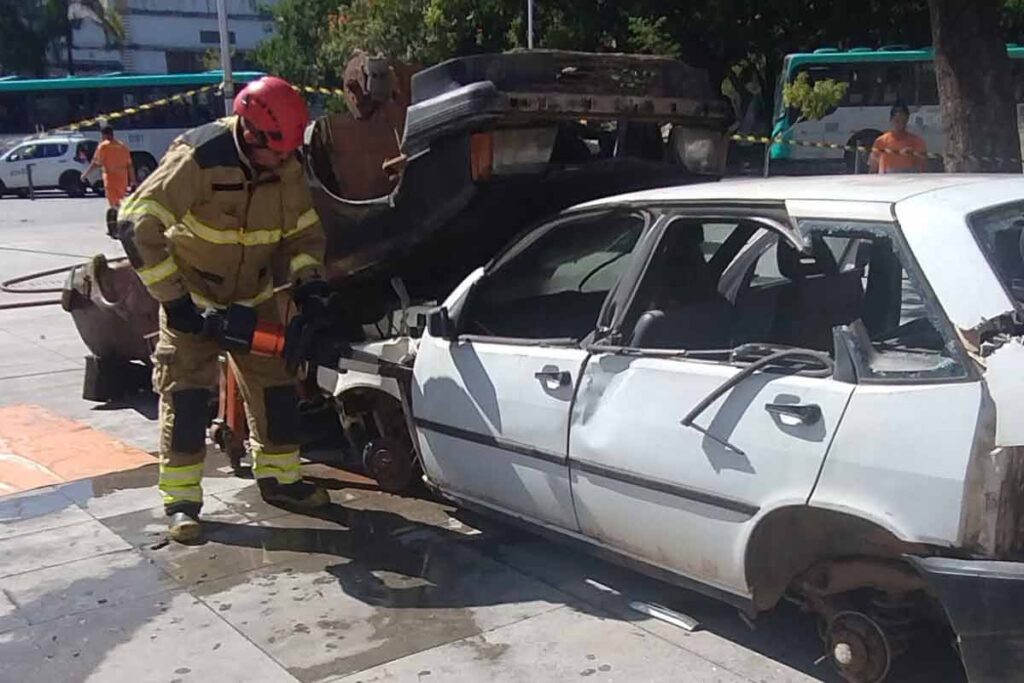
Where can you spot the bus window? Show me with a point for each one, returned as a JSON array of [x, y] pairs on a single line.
[[1017, 74], [894, 85], [927, 89], [859, 87], [51, 111], [13, 115]]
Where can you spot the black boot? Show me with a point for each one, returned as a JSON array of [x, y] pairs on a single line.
[[300, 495], [112, 223], [184, 526]]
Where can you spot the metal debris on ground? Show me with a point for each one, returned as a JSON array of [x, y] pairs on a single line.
[[687, 623]]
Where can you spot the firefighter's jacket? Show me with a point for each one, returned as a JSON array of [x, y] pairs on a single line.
[[206, 223]]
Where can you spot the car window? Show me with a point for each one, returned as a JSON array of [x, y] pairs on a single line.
[[85, 150], [25, 152], [1000, 232], [53, 150], [554, 287], [773, 294]]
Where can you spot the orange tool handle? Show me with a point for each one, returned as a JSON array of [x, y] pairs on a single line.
[[268, 339]]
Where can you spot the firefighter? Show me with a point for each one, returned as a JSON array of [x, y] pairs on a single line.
[[202, 231]]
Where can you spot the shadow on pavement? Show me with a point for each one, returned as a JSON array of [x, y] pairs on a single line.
[[377, 544], [146, 404]]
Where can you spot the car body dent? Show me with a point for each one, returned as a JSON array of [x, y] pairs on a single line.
[[628, 406]]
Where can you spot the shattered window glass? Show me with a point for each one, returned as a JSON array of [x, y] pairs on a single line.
[[1000, 232], [894, 333]]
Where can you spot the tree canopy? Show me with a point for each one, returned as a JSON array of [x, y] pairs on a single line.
[[31, 31], [740, 42]]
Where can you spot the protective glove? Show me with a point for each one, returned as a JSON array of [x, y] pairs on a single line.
[[313, 343], [316, 301], [183, 316]]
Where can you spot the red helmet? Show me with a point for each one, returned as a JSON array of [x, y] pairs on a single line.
[[272, 106]]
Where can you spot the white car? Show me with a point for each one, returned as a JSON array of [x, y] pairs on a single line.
[[56, 162], [806, 387]]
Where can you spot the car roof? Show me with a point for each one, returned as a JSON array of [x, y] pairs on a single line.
[[77, 137], [885, 189]]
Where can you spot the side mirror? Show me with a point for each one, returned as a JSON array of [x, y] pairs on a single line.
[[439, 324]]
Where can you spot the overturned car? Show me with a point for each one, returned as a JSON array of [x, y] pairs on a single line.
[[490, 144]]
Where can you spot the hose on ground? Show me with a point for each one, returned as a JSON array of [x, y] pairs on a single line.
[[8, 286], [28, 304]]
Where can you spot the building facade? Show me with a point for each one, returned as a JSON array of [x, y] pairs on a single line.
[[170, 36]]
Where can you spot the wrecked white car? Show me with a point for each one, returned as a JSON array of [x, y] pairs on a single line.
[[801, 387]]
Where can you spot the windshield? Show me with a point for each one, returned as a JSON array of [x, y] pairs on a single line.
[[1000, 232]]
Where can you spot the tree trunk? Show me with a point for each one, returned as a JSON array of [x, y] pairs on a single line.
[[979, 114], [69, 34]]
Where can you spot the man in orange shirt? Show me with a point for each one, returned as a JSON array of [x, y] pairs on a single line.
[[906, 151], [118, 172]]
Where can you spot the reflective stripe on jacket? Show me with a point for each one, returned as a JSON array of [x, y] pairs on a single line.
[[207, 224]]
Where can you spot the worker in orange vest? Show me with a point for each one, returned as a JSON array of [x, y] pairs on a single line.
[[118, 172]]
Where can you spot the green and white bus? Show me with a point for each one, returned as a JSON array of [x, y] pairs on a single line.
[[31, 106], [877, 80]]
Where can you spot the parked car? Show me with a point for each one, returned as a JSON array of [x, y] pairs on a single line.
[[57, 163], [797, 387]]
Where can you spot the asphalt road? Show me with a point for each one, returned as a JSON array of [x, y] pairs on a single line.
[[378, 588]]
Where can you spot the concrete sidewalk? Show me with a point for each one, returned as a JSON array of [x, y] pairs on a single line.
[[375, 588]]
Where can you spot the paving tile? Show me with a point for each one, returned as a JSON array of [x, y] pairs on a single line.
[[418, 511], [30, 552], [168, 637], [247, 501], [119, 493], [375, 602], [233, 543], [85, 585], [42, 446], [560, 645], [783, 647], [10, 617], [37, 510]]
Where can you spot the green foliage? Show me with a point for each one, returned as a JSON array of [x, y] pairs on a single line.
[[816, 101], [295, 51], [740, 42], [651, 36], [23, 39]]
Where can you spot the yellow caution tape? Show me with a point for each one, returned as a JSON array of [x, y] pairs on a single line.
[[130, 111], [765, 140], [338, 92]]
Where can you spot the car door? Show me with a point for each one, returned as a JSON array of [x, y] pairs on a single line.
[[491, 403], [16, 165], [678, 442], [51, 165]]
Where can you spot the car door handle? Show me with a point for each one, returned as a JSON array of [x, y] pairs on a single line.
[[561, 377], [807, 414]]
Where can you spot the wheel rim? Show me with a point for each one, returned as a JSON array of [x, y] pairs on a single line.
[[858, 648]]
